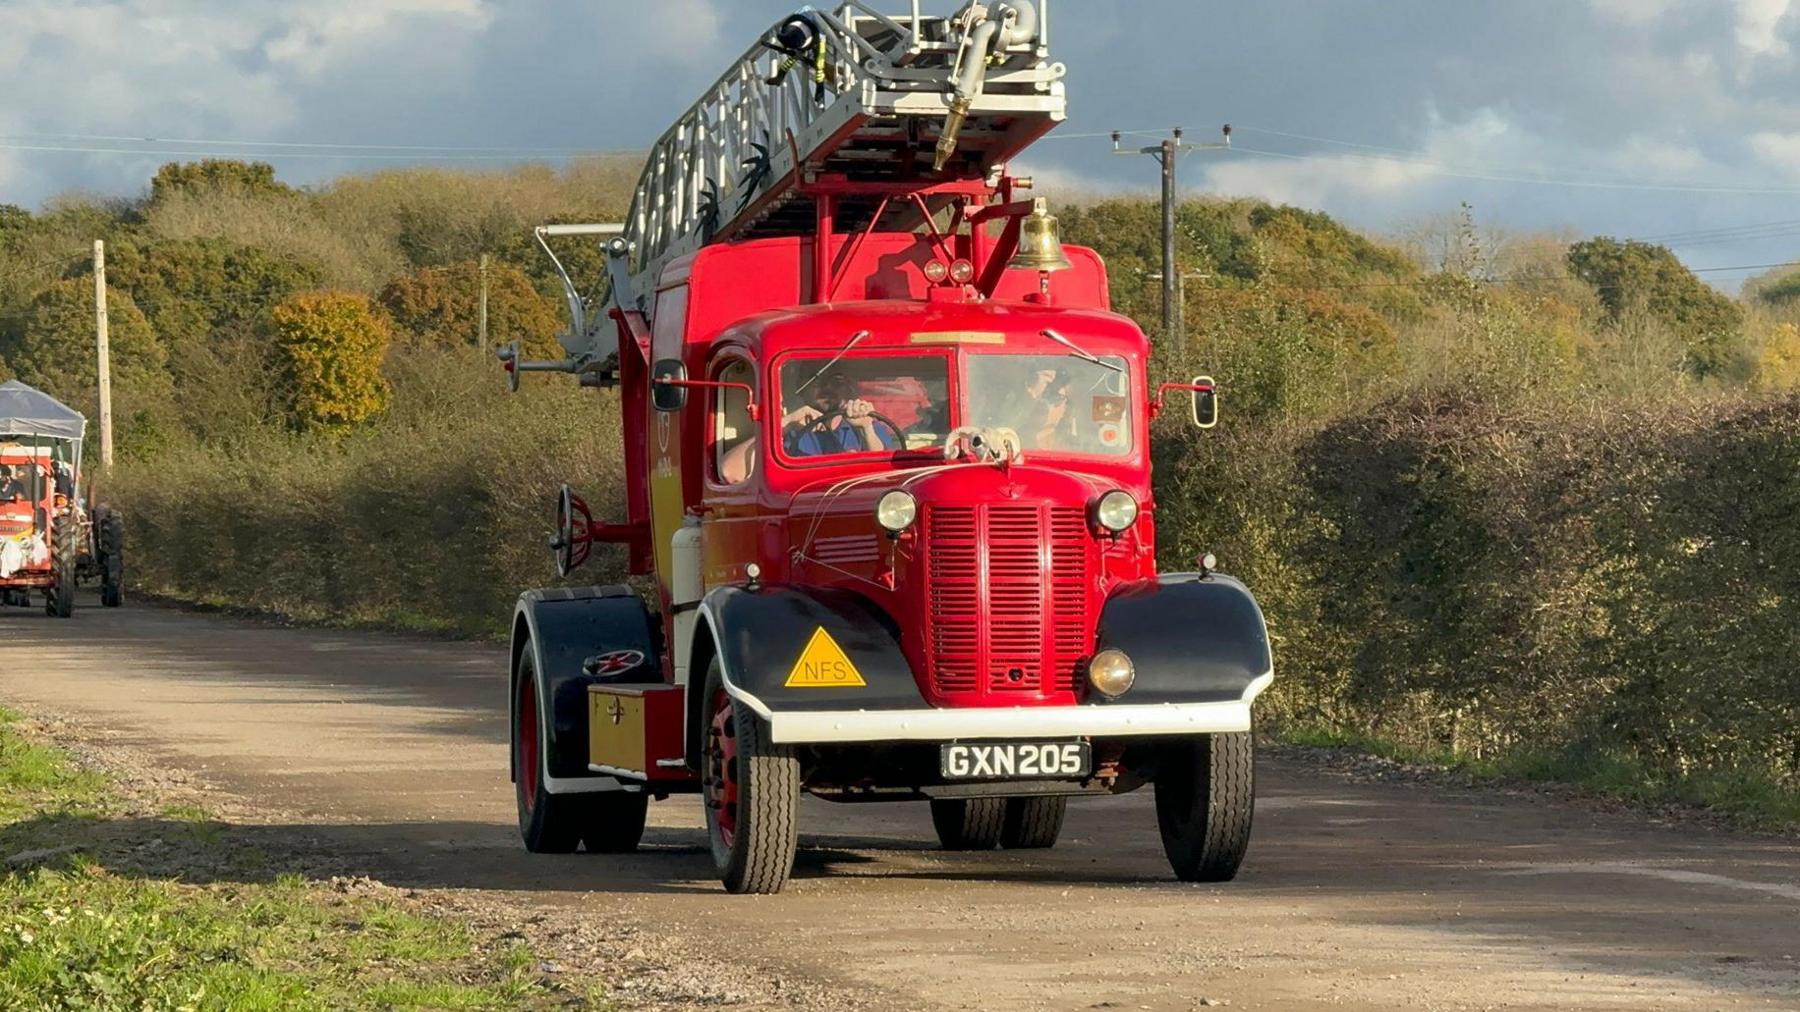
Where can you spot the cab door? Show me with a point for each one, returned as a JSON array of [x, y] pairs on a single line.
[[734, 461]]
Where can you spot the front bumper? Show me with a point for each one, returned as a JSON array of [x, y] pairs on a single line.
[[1111, 720]]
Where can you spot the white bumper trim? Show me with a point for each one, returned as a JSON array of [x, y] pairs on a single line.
[[1106, 721]]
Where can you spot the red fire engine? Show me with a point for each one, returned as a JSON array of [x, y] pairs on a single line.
[[887, 460]]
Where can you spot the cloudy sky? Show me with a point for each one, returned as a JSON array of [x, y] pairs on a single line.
[[1629, 117]]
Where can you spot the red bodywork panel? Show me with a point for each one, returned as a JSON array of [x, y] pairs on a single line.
[[996, 590], [21, 517]]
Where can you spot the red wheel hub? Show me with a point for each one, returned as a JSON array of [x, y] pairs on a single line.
[[530, 765], [719, 779]]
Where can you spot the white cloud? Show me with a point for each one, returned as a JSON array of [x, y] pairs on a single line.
[[1660, 159], [1634, 12], [1450, 150], [1756, 24], [1759, 27], [310, 37], [679, 31], [1780, 151]]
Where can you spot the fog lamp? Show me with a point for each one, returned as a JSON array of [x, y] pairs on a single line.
[[1116, 510], [1111, 672], [896, 511]]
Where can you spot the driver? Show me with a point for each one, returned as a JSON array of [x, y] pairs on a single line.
[[834, 420], [11, 487]]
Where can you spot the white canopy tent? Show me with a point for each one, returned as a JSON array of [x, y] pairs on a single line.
[[29, 414]]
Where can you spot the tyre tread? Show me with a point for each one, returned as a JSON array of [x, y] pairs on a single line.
[[968, 823], [1205, 802], [1033, 823]]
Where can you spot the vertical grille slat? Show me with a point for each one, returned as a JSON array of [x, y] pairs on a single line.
[[1008, 600]]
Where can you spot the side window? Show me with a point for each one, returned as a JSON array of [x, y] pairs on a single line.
[[733, 432]]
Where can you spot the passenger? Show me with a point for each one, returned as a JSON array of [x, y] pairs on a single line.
[[12, 487], [854, 430]]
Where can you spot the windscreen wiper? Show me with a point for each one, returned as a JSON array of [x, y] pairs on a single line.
[[1077, 351], [845, 350]]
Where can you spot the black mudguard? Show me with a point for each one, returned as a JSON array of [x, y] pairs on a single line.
[[1191, 638], [761, 633], [569, 628]]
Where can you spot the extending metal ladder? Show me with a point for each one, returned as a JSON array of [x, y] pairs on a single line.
[[905, 100]]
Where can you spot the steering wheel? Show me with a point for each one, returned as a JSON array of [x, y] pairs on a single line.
[[823, 423]]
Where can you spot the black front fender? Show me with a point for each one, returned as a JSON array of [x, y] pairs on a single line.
[[1191, 638], [761, 634]]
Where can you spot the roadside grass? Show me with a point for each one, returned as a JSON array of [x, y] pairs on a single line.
[[84, 926], [1745, 799]]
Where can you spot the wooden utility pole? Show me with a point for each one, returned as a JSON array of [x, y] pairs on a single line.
[[104, 352], [1167, 153], [481, 330]]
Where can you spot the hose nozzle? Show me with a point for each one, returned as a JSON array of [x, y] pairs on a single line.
[[946, 143]]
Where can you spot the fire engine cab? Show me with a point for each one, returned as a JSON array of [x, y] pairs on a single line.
[[887, 473]]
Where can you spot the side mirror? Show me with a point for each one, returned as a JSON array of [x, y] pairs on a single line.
[[668, 390], [1206, 402]]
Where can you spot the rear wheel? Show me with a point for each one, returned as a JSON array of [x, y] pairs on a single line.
[[607, 821], [751, 787], [968, 823], [1205, 793], [1032, 823]]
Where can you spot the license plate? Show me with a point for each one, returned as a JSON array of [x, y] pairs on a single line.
[[1015, 760]]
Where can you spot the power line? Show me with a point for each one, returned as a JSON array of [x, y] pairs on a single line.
[[345, 156], [1719, 230], [1495, 177], [39, 265], [1502, 174], [218, 142]]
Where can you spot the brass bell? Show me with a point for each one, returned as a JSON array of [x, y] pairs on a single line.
[[1040, 248]]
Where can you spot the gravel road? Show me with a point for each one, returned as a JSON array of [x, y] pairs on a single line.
[[385, 756]]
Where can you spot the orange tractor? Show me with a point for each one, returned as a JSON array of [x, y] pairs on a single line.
[[49, 540]]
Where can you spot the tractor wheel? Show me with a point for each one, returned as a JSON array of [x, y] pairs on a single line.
[[968, 823], [60, 600], [751, 788], [112, 559], [1032, 823], [1205, 793]]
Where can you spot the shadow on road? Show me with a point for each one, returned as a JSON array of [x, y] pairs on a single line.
[[463, 855]]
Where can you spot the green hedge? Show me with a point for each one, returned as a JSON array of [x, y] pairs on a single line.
[[1573, 590], [434, 517], [1575, 587]]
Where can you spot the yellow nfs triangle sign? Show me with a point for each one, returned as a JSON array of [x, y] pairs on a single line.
[[822, 665]]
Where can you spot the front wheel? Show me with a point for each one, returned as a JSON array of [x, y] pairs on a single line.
[[1205, 793], [607, 821], [751, 787], [60, 601]]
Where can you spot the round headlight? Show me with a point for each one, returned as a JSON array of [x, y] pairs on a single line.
[[896, 511], [1116, 510], [1111, 672]]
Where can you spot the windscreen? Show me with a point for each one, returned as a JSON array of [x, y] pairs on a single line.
[[1057, 403], [864, 404]]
